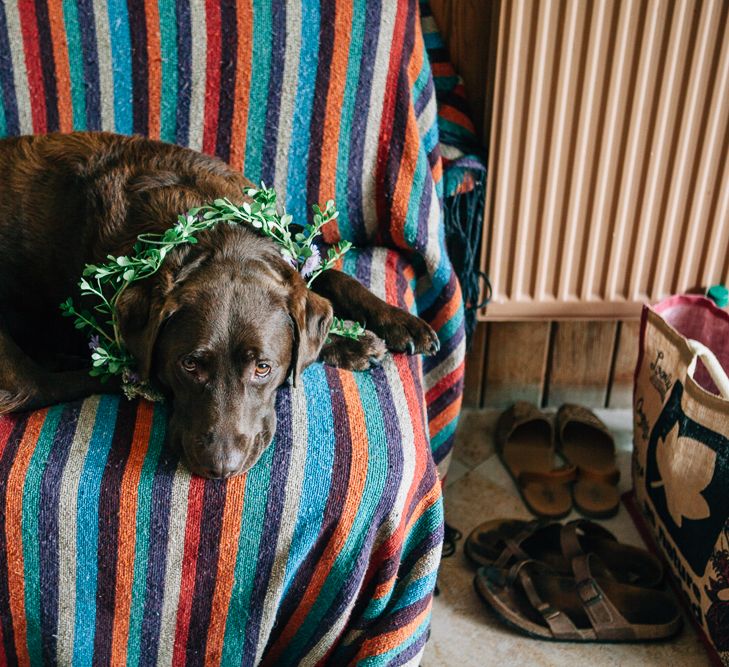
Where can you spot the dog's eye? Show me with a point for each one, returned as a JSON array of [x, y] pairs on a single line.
[[262, 369], [189, 364]]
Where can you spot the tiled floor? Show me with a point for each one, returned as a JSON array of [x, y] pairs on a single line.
[[464, 633]]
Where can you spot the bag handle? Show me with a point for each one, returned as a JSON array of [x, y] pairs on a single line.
[[717, 373]]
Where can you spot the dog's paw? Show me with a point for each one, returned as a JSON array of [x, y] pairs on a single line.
[[354, 354], [404, 332]]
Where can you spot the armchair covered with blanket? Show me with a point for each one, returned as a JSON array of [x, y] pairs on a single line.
[[327, 549]]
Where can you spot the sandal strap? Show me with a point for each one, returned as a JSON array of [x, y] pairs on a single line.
[[609, 477], [557, 476], [606, 620], [570, 533], [512, 545], [558, 622]]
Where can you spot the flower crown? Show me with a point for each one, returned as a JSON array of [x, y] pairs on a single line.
[[107, 282]]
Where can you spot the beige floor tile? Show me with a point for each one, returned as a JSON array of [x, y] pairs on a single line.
[[464, 633]]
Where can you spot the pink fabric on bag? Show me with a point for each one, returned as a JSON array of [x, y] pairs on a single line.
[[696, 317]]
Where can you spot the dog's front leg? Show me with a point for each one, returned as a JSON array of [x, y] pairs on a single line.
[[401, 331], [26, 386]]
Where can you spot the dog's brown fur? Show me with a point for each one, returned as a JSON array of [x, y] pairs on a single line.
[[223, 306]]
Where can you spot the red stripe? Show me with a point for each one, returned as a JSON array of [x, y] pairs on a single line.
[[444, 383], [6, 428], [388, 108], [189, 566], [31, 46], [212, 81]]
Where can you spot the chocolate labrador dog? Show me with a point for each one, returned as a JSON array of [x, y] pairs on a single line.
[[219, 327]]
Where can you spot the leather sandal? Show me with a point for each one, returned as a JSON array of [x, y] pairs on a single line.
[[533, 599], [524, 439], [585, 442], [501, 543]]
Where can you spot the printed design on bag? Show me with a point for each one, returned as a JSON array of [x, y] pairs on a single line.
[[717, 616], [660, 378], [641, 421], [686, 469]]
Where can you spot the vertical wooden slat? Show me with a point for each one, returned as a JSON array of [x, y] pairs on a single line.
[[581, 359], [606, 180], [516, 363], [626, 357], [475, 367]]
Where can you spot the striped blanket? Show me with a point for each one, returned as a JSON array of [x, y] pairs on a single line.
[[326, 551]]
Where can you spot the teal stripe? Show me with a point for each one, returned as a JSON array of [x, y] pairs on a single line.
[[415, 590], [30, 537], [421, 82], [76, 63], [168, 49], [412, 218], [347, 116], [141, 544], [254, 510], [321, 446], [446, 432], [385, 658], [257, 99], [87, 535], [121, 56], [376, 479], [430, 519]]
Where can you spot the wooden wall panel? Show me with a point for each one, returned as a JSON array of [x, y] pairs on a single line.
[[475, 364], [516, 364], [470, 28], [581, 362], [626, 357]]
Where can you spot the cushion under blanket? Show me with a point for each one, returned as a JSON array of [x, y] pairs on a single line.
[[110, 553], [328, 547]]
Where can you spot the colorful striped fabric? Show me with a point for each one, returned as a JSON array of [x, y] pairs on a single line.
[[326, 551]]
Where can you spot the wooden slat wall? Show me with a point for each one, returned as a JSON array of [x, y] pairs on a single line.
[[541, 361]]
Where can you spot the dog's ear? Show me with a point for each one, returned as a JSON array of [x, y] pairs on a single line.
[[141, 310], [311, 315]]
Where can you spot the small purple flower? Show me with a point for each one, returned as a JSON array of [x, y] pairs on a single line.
[[134, 377], [312, 263], [94, 342]]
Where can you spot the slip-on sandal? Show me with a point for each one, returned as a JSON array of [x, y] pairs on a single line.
[[585, 442], [524, 439], [502, 542], [533, 599]]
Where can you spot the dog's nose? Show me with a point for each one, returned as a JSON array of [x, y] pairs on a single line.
[[226, 466]]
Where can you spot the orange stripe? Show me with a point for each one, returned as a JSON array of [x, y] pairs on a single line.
[[229, 536], [446, 313], [445, 417], [128, 532], [14, 532], [154, 65], [390, 640], [335, 98], [63, 69], [427, 501], [244, 13], [355, 486], [454, 115]]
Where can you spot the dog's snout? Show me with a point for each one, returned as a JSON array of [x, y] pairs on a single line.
[[224, 462]]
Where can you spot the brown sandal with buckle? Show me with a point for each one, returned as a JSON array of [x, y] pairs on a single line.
[[500, 543], [586, 443], [524, 440], [532, 598]]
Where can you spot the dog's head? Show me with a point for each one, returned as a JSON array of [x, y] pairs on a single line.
[[221, 327]]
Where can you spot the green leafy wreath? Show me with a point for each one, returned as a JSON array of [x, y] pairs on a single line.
[[107, 282]]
